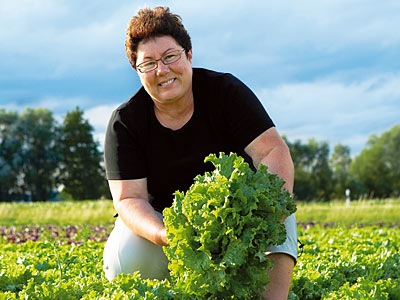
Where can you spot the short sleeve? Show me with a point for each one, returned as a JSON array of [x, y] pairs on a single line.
[[245, 115], [123, 153]]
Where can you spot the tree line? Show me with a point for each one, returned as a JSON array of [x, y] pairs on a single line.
[[38, 157], [323, 176]]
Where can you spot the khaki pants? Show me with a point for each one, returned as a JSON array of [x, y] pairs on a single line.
[[126, 252]]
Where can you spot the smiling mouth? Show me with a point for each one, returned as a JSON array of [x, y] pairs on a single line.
[[167, 82]]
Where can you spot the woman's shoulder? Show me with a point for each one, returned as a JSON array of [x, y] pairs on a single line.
[[215, 80], [206, 74], [134, 108], [136, 102]]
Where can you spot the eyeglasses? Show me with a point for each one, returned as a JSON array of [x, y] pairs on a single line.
[[166, 59]]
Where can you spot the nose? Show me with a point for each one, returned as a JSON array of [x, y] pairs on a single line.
[[161, 69]]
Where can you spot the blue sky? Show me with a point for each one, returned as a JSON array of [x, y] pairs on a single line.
[[328, 70]]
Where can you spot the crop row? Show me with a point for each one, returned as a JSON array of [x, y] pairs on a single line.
[[70, 234], [348, 263], [337, 263], [78, 234]]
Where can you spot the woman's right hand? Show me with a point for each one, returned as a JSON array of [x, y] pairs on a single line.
[[131, 201], [163, 237]]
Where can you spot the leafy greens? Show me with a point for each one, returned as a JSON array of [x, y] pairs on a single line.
[[219, 229]]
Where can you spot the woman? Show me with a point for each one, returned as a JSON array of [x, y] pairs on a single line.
[[156, 143]]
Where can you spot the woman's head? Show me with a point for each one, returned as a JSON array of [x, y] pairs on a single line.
[[150, 23]]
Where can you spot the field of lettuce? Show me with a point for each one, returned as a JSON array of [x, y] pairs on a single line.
[[64, 261]]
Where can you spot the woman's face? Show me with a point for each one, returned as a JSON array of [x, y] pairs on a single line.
[[168, 84]]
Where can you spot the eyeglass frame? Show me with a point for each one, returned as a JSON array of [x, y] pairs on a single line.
[[160, 59]]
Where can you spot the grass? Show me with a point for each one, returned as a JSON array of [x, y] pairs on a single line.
[[98, 212], [357, 212], [101, 212]]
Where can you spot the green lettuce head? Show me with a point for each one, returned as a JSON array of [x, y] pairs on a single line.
[[219, 229]]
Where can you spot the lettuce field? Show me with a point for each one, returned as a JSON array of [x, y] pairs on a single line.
[[64, 261]]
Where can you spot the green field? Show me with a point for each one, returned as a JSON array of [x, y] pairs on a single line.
[[54, 251], [101, 212], [357, 212]]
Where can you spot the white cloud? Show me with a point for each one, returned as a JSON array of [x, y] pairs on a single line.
[[335, 111], [99, 138], [316, 61], [92, 27], [324, 25], [98, 116], [270, 42], [58, 38], [57, 104]]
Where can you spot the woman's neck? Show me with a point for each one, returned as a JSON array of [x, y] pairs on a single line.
[[176, 115]]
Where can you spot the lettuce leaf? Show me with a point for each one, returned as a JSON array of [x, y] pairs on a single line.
[[219, 229]]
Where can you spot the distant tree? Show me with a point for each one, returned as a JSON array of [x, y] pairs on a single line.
[[321, 172], [302, 157], [81, 171], [313, 177], [377, 167], [339, 163], [9, 161], [38, 157]]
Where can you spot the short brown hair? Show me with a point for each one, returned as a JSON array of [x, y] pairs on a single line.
[[150, 23]]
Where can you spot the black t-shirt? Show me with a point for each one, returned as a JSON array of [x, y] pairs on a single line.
[[227, 117]]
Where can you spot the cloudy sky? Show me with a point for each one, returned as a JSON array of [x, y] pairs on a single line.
[[328, 70]]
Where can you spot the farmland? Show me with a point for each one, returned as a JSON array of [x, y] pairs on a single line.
[[54, 250]]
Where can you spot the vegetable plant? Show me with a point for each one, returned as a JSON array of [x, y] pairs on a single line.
[[221, 227]]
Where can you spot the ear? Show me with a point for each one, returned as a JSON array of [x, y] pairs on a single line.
[[190, 55]]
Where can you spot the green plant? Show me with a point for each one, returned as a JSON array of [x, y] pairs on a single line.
[[219, 229]]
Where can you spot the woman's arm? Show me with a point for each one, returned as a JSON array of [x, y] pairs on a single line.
[[131, 201], [270, 149]]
